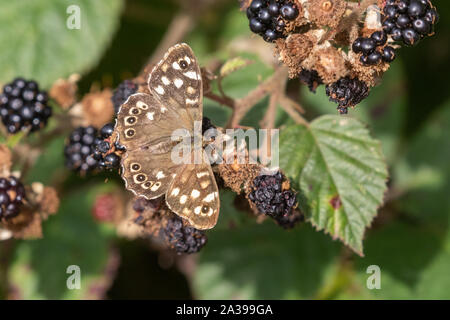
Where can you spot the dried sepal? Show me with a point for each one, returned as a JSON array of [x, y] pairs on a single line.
[[326, 13], [329, 63], [64, 91], [294, 50]]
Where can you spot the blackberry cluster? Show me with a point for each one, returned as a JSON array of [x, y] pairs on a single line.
[[268, 18], [270, 198], [123, 91], [182, 238], [12, 194], [373, 49], [88, 149], [79, 149], [347, 92], [23, 106], [102, 146], [409, 21], [310, 78]]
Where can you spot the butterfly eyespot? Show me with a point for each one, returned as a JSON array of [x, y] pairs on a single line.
[[135, 111], [130, 132], [148, 184], [139, 178], [131, 120], [183, 64], [205, 209], [135, 167]]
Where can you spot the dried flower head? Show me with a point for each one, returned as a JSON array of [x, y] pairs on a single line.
[[326, 13]]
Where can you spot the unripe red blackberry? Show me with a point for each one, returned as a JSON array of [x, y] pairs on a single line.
[[12, 195], [183, 239], [23, 106], [347, 92], [122, 92]]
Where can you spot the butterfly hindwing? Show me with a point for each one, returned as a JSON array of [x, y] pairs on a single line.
[[194, 195], [148, 176]]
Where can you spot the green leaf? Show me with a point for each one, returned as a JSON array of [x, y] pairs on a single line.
[[41, 47], [264, 262], [413, 262], [423, 173], [341, 174], [72, 237]]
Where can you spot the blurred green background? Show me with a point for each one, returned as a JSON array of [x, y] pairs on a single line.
[[409, 112]]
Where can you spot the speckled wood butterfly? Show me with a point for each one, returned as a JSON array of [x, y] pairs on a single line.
[[145, 124]]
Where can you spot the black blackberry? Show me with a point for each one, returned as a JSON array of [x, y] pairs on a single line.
[[206, 125], [122, 92], [268, 17], [270, 198], [347, 92], [12, 195], [183, 239], [409, 21], [371, 48], [79, 150], [23, 106], [102, 147], [310, 78]]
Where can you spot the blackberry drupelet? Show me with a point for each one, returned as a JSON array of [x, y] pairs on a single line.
[[122, 92], [79, 150], [347, 92], [270, 198], [183, 239], [12, 195], [268, 18], [310, 78], [409, 21], [23, 106]]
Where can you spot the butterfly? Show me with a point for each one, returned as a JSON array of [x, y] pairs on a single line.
[[144, 126]]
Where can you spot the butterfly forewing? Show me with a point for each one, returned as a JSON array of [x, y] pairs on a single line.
[[194, 195], [176, 82]]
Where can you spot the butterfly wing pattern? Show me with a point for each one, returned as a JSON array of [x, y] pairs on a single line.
[[145, 124]]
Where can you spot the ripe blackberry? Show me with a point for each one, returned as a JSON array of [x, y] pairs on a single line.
[[183, 239], [12, 195], [347, 92], [268, 17], [409, 21], [206, 125], [270, 198], [103, 153], [23, 106], [310, 78], [371, 48], [122, 92], [79, 150]]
